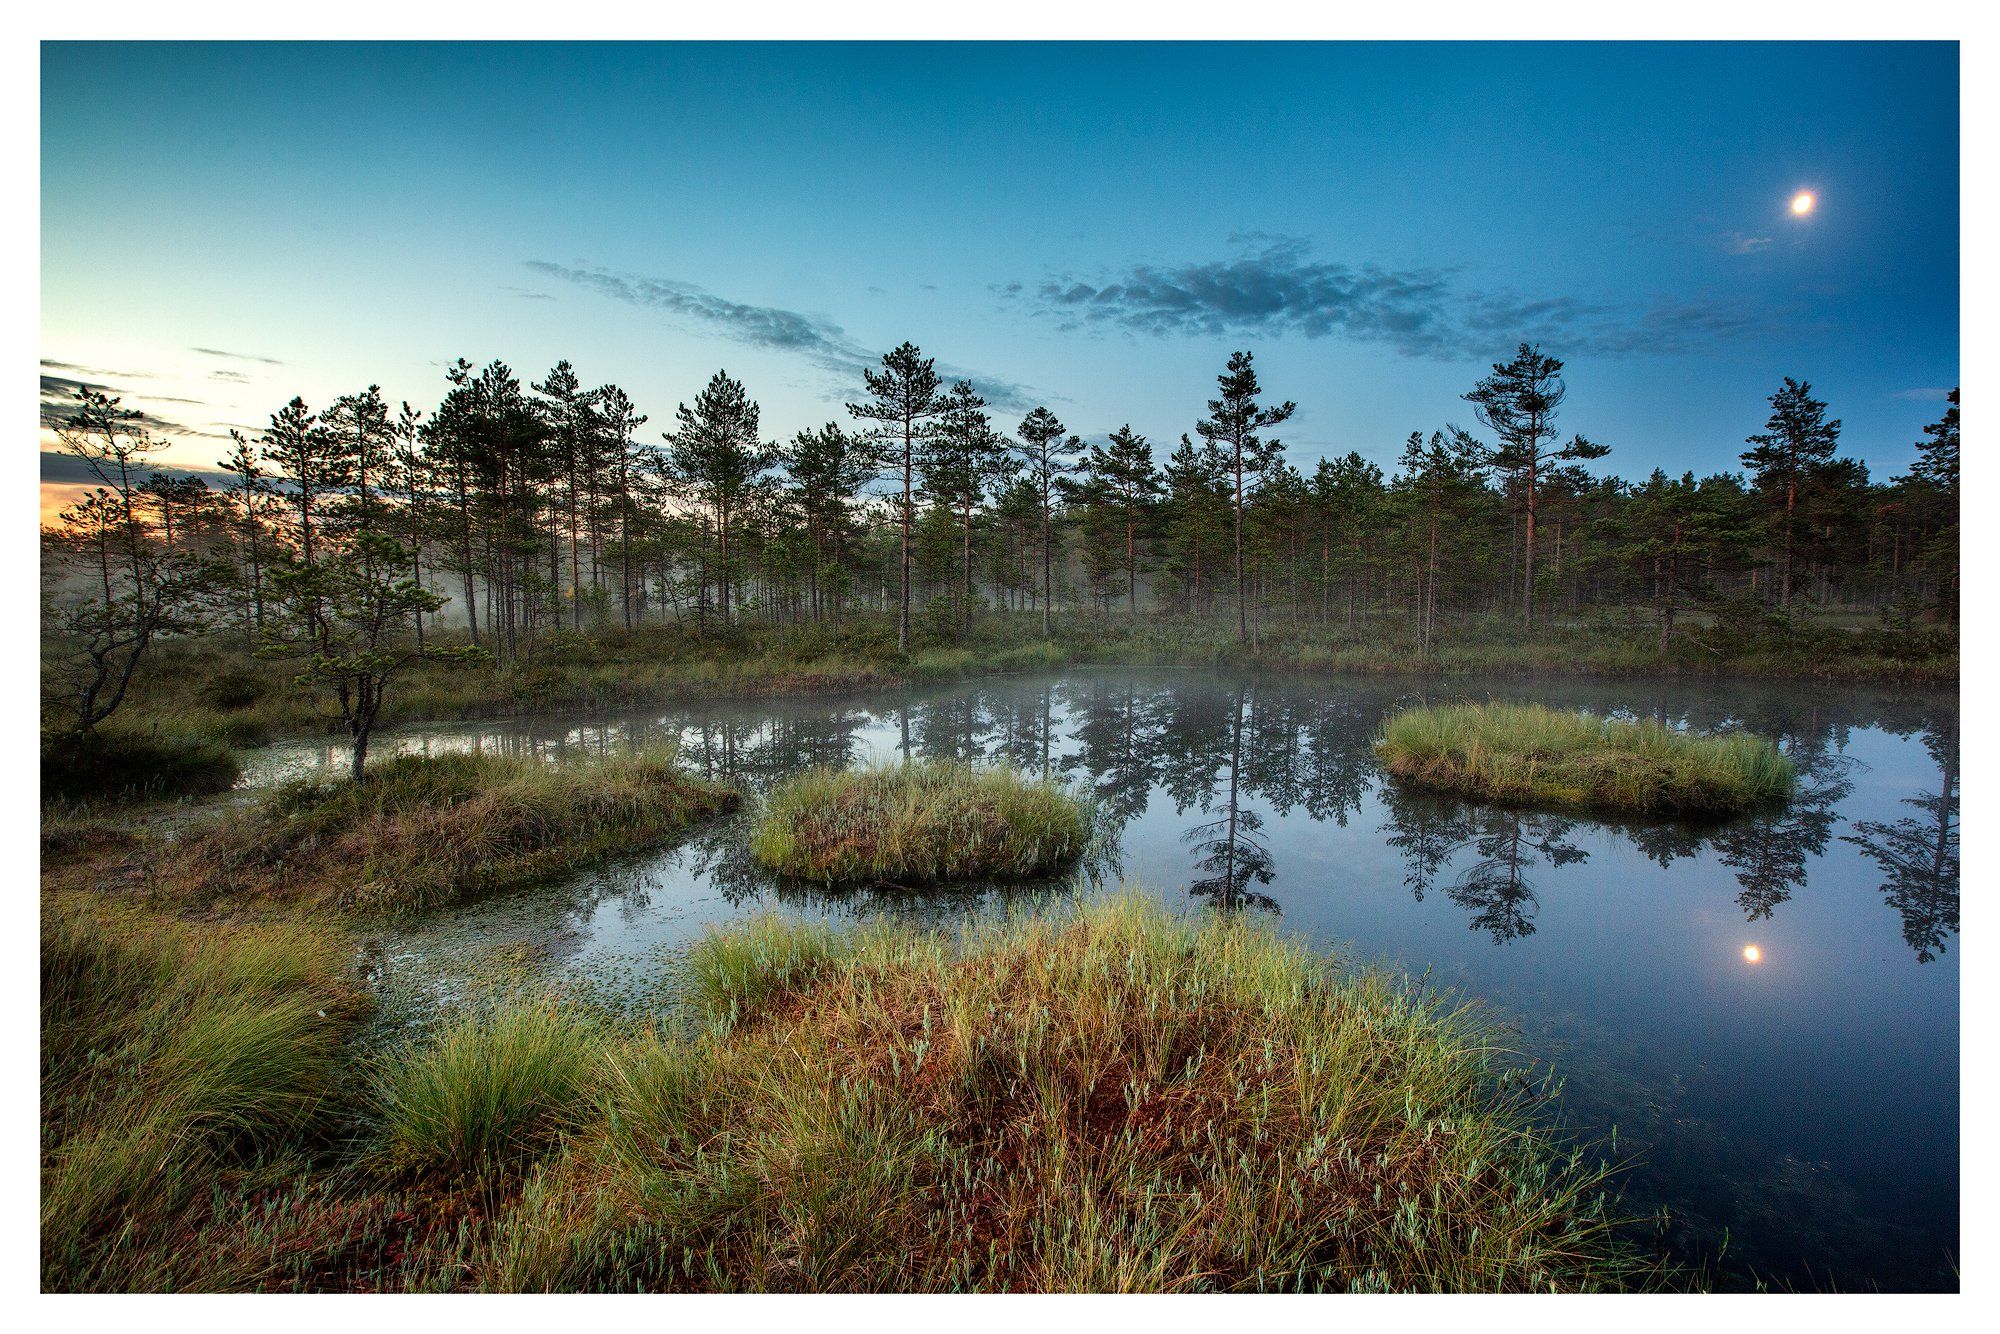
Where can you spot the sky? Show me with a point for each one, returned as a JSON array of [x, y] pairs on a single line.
[[1094, 227]]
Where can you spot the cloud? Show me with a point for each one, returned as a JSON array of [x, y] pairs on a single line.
[[1275, 286], [58, 397], [820, 341], [95, 372], [1925, 395], [60, 469], [236, 356], [1741, 243]]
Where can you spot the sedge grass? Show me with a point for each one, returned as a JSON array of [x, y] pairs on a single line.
[[419, 832], [166, 1054], [1110, 1100], [1526, 754], [919, 823], [492, 1087]]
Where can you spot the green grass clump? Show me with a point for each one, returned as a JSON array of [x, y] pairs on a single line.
[[419, 832], [1526, 754], [112, 765], [167, 1056], [919, 823], [1111, 1100], [491, 1088]]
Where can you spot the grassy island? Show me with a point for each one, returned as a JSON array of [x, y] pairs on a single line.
[[418, 832], [919, 823], [1530, 755]]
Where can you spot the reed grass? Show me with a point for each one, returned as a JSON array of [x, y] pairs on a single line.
[[919, 823], [1528, 754], [419, 832]]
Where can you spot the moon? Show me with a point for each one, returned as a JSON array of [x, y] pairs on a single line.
[[1802, 203], [1752, 954]]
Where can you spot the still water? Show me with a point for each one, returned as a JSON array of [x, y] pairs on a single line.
[[1761, 1016]]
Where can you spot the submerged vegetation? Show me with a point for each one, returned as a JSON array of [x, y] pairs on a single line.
[[418, 832], [1109, 1099], [1526, 754], [919, 823]]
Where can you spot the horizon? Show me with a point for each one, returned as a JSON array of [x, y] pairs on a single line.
[[1094, 226]]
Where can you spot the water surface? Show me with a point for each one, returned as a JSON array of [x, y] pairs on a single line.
[[1764, 1012]]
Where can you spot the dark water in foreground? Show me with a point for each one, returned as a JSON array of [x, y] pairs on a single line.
[[1766, 1010]]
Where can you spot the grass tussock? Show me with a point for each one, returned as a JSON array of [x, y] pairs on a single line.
[[919, 823], [168, 1056], [1117, 1100], [419, 832], [492, 1088], [1527, 754]]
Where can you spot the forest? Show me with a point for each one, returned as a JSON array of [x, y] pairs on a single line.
[[498, 527]]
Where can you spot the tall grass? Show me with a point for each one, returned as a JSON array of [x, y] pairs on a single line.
[[1528, 754], [1115, 1100], [919, 823], [491, 1088], [418, 832], [164, 1055]]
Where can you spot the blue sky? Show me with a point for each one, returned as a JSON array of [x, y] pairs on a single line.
[[1094, 227]]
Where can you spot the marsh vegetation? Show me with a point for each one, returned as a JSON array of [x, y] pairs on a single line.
[[1530, 755], [919, 823], [1107, 1099], [417, 832]]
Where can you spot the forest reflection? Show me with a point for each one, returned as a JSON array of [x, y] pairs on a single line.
[[1231, 756]]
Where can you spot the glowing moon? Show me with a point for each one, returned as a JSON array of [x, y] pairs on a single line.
[[1802, 203], [1751, 954]]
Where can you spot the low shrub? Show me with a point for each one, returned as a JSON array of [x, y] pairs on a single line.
[[113, 765]]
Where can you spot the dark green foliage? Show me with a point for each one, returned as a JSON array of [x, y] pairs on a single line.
[[114, 764]]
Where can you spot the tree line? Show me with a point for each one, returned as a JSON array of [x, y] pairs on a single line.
[[545, 507]]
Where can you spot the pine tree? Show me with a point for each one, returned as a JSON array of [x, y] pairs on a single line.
[[826, 468], [1796, 442], [904, 399], [718, 460], [1050, 459], [1235, 424], [1122, 469], [962, 461], [1518, 403]]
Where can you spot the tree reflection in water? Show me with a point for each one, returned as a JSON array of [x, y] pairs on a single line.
[[1231, 852], [1918, 855], [1213, 749], [1431, 832]]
